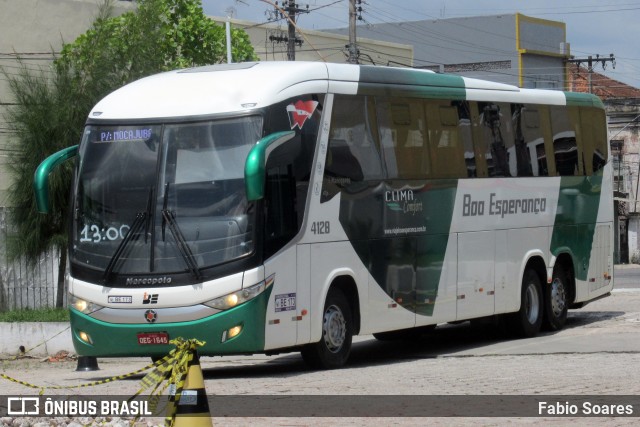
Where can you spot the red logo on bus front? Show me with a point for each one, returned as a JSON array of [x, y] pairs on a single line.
[[300, 112]]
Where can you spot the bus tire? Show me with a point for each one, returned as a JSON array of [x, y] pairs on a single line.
[[332, 351], [556, 300], [526, 322]]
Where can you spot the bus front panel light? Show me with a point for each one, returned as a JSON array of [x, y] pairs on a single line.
[[231, 333], [85, 337], [84, 306]]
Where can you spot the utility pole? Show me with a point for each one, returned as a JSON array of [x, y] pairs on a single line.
[[353, 49], [355, 14], [590, 61], [230, 11], [292, 10]]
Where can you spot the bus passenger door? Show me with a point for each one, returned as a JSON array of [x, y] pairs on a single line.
[[282, 221], [476, 274]]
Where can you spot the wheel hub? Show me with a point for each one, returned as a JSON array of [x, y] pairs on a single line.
[[334, 328]]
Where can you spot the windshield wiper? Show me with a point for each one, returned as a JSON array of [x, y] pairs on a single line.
[[169, 217], [183, 247], [142, 218], [134, 229]]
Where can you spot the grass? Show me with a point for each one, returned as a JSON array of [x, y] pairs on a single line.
[[37, 315]]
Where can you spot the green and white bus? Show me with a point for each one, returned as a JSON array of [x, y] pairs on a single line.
[[288, 206]]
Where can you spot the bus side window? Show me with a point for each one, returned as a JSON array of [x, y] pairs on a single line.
[[594, 137], [446, 149], [567, 155], [526, 125], [352, 155], [495, 119], [342, 166], [529, 123], [402, 137], [464, 129]]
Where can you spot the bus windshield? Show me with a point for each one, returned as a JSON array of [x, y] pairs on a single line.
[[163, 199]]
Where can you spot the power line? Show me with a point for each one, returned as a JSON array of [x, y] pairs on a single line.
[[590, 61]]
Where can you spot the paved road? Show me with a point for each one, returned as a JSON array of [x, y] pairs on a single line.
[[598, 353], [627, 276]]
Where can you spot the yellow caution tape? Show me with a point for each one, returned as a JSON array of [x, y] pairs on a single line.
[[173, 367], [91, 384]]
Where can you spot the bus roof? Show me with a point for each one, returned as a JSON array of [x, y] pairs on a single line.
[[233, 88]]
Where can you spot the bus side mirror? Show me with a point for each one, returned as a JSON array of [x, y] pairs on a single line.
[[41, 176], [254, 167]]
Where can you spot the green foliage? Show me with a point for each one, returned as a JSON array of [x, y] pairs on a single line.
[[241, 48], [44, 120], [160, 35], [39, 315]]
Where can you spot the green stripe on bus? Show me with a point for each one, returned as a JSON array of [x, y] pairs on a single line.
[[439, 202], [407, 82], [575, 221], [583, 100], [403, 249]]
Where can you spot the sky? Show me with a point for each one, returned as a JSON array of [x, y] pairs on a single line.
[[593, 27]]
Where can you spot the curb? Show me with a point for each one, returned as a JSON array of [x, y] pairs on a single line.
[[626, 266], [33, 336]]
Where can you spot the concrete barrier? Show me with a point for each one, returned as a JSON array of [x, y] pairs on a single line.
[[48, 338]]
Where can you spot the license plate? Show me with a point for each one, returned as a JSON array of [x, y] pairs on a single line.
[[148, 338], [285, 302]]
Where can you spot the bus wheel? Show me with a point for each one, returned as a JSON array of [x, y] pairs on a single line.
[[526, 322], [332, 351], [555, 301]]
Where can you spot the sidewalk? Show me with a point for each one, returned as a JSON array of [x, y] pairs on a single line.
[[626, 266]]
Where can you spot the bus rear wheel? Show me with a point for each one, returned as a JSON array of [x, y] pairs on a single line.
[[526, 322], [332, 351], [555, 301]]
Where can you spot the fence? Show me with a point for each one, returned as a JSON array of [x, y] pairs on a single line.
[[21, 285]]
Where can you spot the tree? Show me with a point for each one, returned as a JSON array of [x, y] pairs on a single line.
[[160, 35], [52, 105], [39, 121]]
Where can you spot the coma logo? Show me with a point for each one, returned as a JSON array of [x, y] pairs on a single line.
[[300, 112], [150, 316]]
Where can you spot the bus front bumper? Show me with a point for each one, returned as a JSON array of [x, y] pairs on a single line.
[[240, 330]]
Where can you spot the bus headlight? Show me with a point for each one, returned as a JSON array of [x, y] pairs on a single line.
[[84, 306], [236, 298]]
